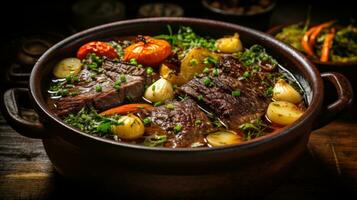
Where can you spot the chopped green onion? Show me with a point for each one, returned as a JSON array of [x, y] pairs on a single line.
[[133, 61], [193, 61], [236, 93], [98, 88], [147, 121], [149, 71], [178, 128]]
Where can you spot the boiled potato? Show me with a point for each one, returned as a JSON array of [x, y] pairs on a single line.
[[191, 64], [131, 127], [283, 91], [222, 138], [66, 67], [230, 44], [161, 90], [283, 112]]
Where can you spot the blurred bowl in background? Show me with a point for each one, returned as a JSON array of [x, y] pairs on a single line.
[[160, 10], [87, 14], [254, 13]]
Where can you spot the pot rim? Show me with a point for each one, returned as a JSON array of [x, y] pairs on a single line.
[[310, 113]]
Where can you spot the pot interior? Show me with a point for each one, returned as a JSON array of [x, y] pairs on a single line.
[[290, 59]]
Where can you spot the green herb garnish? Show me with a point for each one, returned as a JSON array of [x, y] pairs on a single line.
[[155, 140], [98, 88], [159, 103], [149, 71], [178, 128], [236, 93], [147, 121]]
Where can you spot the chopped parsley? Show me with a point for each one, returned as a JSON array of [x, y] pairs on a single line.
[[147, 121], [93, 62], [210, 60], [117, 84], [159, 103], [89, 121], [236, 93], [198, 122], [215, 72], [98, 88], [253, 129], [206, 70], [133, 61], [170, 106], [246, 74], [200, 97], [155, 140], [193, 61], [207, 82], [122, 78], [186, 39], [256, 54], [149, 71], [269, 92], [178, 128]]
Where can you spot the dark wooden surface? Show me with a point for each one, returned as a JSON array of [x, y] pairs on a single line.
[[328, 169]]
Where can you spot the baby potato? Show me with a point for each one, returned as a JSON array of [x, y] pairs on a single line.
[[66, 67], [191, 64], [230, 44], [160, 90], [283, 112], [283, 91], [131, 127], [222, 138]]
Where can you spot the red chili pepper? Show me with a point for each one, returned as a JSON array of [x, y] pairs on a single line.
[[98, 48]]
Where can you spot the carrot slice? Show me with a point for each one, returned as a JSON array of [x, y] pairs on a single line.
[[318, 29], [327, 45], [128, 108], [305, 42]]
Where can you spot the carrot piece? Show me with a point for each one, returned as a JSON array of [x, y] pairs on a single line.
[[327, 45], [305, 42], [318, 29], [125, 109]]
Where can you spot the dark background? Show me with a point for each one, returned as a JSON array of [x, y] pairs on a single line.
[[26, 16]]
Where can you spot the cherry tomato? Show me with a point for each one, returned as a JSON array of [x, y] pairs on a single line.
[[148, 51], [98, 48]]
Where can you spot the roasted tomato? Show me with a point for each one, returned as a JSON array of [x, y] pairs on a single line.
[[98, 48], [148, 51]]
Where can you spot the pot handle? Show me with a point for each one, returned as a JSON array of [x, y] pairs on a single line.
[[12, 113], [344, 98]]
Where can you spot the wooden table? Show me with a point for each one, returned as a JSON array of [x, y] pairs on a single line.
[[328, 169]]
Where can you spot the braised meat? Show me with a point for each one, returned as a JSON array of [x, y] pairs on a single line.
[[182, 121], [232, 98], [103, 90]]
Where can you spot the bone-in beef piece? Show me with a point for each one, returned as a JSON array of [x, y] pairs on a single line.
[[182, 121]]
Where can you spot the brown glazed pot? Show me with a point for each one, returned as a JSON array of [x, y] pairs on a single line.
[[247, 169]]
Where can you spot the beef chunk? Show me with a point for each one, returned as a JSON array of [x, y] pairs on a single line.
[[182, 121], [132, 87], [233, 110], [258, 80], [215, 92]]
